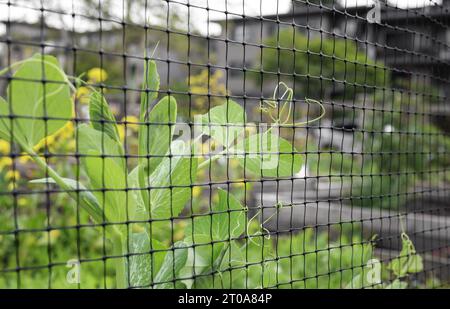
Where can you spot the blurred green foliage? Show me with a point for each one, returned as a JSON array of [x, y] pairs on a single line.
[[321, 66], [401, 149]]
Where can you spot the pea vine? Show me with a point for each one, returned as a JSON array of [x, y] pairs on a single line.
[[130, 201]]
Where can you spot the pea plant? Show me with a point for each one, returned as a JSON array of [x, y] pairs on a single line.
[[126, 201], [131, 201], [392, 275]]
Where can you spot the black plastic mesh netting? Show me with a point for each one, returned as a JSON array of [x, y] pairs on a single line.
[[224, 144]]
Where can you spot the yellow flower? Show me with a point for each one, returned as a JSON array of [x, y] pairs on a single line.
[[83, 94], [10, 186], [47, 141], [196, 191], [5, 147], [5, 162], [24, 158], [54, 235], [131, 122], [121, 129], [12, 175], [97, 75], [66, 131], [204, 83], [22, 201], [72, 145]]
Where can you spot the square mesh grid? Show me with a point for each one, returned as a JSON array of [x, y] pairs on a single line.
[[224, 144]]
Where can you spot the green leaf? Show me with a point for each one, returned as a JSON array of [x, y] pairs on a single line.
[[149, 93], [206, 256], [415, 264], [150, 88], [262, 272], [108, 179], [233, 219], [267, 155], [144, 264], [224, 123], [227, 221], [101, 116], [155, 138], [90, 139], [140, 211], [231, 273], [5, 121], [41, 108], [171, 186], [157, 135], [408, 261], [174, 261], [357, 282], [399, 266], [89, 201], [369, 276]]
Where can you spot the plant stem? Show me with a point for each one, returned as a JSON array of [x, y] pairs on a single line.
[[120, 263], [96, 214], [44, 166]]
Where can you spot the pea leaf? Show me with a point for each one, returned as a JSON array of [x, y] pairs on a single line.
[[205, 256], [87, 199], [170, 184], [408, 261], [90, 139], [174, 261], [41, 108], [135, 191], [101, 116], [149, 93], [262, 259], [224, 123], [232, 272], [144, 264], [108, 179], [227, 221], [369, 276], [155, 138], [157, 134], [415, 264], [5, 122], [150, 88], [267, 155], [399, 266]]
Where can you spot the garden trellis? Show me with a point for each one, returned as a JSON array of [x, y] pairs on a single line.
[[229, 144]]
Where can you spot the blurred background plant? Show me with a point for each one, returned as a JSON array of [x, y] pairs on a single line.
[[318, 67], [205, 89]]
